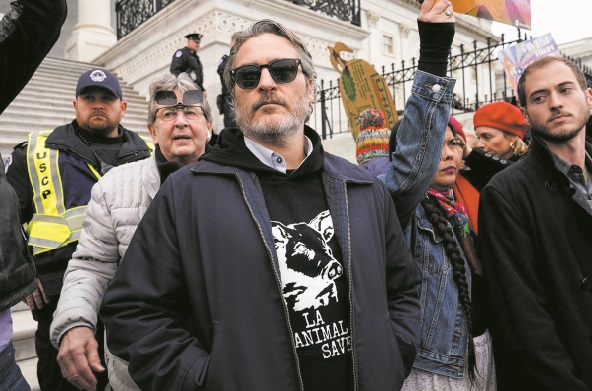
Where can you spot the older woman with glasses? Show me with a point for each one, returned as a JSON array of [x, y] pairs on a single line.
[[180, 123]]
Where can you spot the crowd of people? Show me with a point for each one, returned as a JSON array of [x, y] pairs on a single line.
[[263, 262]]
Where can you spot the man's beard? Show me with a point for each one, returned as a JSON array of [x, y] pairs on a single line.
[[275, 129], [559, 136], [102, 129]]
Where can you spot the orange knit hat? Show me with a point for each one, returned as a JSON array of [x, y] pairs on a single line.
[[502, 116]]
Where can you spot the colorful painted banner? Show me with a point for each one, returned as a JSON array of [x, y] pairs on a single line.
[[513, 12], [517, 57]]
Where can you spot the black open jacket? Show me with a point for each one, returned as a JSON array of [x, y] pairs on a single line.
[[27, 33], [536, 250]]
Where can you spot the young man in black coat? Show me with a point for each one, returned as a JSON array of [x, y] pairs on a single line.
[[536, 241]]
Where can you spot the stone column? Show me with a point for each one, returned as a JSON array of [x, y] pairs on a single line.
[[93, 34]]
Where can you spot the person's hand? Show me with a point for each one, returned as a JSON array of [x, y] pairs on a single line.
[[79, 357], [436, 11], [37, 299]]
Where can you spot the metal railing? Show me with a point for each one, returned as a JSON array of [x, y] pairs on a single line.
[[345, 10], [132, 13], [479, 81]]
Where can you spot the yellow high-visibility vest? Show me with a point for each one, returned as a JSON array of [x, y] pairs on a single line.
[[148, 142], [52, 226]]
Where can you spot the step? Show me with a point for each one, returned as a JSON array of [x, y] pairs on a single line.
[[51, 81], [24, 327], [65, 66], [65, 83], [20, 307], [29, 370], [55, 73], [23, 324], [60, 60]]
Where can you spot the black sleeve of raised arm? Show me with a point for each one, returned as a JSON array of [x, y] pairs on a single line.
[[27, 34], [434, 47]]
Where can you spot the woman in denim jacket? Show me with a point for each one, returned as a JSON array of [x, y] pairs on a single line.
[[455, 352], [443, 250]]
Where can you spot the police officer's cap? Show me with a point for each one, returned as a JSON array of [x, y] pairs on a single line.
[[98, 77], [194, 36]]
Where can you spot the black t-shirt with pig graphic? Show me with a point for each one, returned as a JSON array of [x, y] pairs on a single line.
[[314, 280]]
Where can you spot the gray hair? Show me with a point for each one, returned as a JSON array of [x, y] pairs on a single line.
[[169, 82], [268, 26]]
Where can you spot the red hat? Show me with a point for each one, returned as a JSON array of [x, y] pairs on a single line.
[[502, 116], [456, 127]]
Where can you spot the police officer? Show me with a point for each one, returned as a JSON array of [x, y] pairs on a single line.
[[187, 60], [52, 174], [223, 100]]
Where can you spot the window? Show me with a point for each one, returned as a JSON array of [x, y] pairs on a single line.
[[388, 44]]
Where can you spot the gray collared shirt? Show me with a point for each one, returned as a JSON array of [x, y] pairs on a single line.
[[273, 159], [578, 178]]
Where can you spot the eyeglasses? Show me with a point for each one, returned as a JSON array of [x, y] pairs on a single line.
[[282, 71], [168, 114], [456, 143], [169, 98]]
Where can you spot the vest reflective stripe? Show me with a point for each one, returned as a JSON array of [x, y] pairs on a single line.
[[44, 173], [52, 226], [148, 142]]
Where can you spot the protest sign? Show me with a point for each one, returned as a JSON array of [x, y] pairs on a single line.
[[517, 57], [361, 88]]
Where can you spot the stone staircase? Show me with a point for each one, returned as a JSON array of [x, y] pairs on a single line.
[[46, 102]]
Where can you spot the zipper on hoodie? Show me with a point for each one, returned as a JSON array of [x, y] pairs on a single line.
[[279, 282], [350, 283]]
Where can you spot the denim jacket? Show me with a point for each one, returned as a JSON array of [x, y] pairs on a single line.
[[414, 165], [416, 158], [443, 344]]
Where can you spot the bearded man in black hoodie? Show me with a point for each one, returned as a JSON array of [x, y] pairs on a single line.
[[315, 288]]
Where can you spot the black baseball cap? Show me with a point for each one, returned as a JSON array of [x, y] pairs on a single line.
[[98, 77], [194, 36]]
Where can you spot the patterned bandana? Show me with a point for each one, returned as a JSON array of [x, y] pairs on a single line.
[[456, 212]]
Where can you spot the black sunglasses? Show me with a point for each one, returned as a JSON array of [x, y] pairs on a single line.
[[169, 98], [282, 71]]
